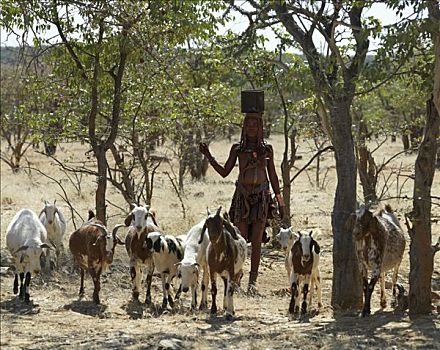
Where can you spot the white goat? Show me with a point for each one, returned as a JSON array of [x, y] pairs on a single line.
[[286, 238], [55, 224], [167, 252], [193, 261], [25, 239]]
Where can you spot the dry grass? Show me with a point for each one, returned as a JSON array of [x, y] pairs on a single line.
[[57, 319]]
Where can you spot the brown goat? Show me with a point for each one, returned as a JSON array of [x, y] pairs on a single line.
[[93, 247], [226, 254], [380, 244], [141, 221]]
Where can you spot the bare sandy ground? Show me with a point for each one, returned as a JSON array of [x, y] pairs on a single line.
[[58, 319]]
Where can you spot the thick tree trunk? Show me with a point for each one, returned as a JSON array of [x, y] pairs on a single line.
[[346, 287], [102, 185], [421, 253]]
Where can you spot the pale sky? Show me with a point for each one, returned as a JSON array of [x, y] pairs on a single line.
[[378, 10]]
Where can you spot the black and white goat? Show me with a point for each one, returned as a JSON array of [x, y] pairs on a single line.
[[167, 252], [304, 266]]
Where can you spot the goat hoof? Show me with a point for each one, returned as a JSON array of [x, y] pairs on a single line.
[[383, 304], [229, 317], [203, 306], [27, 298], [365, 313], [135, 296], [170, 301], [15, 290], [213, 311], [148, 301], [96, 299]]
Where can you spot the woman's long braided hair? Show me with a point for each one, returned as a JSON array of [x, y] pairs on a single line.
[[261, 143]]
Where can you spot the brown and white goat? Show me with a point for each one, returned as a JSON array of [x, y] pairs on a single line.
[[226, 254], [93, 247], [142, 221], [380, 244], [304, 267]]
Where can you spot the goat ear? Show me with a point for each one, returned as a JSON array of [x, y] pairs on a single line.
[[316, 247], [128, 219], [202, 234], [45, 245], [218, 211], [132, 206], [119, 241], [148, 243], [91, 215], [297, 234], [208, 212]]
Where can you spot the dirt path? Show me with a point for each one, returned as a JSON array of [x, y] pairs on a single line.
[[58, 319]]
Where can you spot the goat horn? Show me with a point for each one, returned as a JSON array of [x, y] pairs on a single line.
[[116, 228], [218, 211], [102, 228]]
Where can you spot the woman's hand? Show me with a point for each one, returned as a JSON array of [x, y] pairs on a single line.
[[203, 147]]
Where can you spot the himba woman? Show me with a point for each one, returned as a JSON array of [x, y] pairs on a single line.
[[251, 201]]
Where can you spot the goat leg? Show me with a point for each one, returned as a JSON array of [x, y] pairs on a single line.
[[205, 281], [81, 287], [15, 284], [225, 294], [96, 282], [148, 294], [294, 294], [304, 303], [27, 283], [213, 292], [368, 292], [21, 295]]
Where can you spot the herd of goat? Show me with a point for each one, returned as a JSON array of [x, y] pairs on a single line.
[[213, 246]]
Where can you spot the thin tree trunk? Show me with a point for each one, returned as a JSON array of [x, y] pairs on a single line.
[[101, 213], [421, 253]]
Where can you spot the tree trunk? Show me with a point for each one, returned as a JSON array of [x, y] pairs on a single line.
[[102, 185], [346, 287], [421, 253], [405, 141]]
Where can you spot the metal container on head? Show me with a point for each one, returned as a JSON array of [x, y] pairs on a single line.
[[252, 101]]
